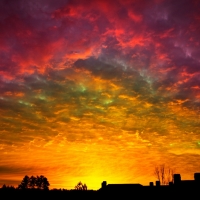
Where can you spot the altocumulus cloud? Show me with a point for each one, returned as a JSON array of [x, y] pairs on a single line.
[[98, 83]]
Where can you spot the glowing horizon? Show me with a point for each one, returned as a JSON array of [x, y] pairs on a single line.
[[103, 90]]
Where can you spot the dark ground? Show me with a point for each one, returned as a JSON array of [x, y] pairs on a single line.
[[162, 192]]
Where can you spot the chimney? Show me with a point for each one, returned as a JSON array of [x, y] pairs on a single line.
[[103, 184], [157, 183], [151, 183], [177, 179], [197, 177]]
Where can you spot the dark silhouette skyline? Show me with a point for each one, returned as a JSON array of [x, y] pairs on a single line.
[[176, 190], [98, 89], [42, 183]]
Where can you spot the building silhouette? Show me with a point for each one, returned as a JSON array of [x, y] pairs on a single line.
[[178, 189], [119, 187], [177, 182], [187, 183]]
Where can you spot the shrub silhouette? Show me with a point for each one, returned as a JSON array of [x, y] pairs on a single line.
[[81, 186], [6, 187]]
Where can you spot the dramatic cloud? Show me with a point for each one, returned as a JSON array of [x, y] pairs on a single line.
[[98, 90]]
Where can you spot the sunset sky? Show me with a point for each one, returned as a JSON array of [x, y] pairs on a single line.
[[94, 90]]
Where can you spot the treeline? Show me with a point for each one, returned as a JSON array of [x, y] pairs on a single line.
[[39, 182], [33, 182]]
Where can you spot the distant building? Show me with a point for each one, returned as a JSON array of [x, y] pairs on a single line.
[[134, 187]]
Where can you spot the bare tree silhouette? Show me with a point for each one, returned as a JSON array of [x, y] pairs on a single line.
[[164, 174], [81, 186]]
